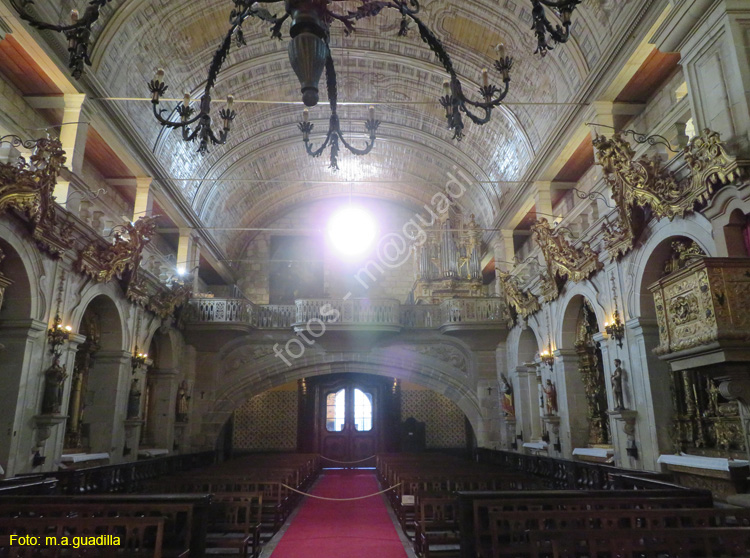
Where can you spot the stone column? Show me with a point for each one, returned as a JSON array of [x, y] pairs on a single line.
[[161, 412], [21, 359], [527, 403], [571, 401], [106, 402], [649, 379]]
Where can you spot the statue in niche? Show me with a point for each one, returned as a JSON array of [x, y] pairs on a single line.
[[508, 407], [551, 400], [53, 388], [616, 379], [182, 402], [134, 400]]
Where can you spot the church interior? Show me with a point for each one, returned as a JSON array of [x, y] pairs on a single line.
[[440, 278]]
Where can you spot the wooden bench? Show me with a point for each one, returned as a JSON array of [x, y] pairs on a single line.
[[235, 523], [624, 543], [162, 504], [437, 526], [178, 518], [139, 537], [510, 529], [475, 507]]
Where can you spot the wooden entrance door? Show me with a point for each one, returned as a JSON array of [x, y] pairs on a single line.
[[350, 420]]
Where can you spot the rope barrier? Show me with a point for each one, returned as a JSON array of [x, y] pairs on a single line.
[[340, 499], [346, 462]]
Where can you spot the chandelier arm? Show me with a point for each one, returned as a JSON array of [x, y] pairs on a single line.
[[90, 16], [169, 123], [317, 152], [495, 102], [356, 151]]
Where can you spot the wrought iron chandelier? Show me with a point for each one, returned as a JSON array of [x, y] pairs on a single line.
[[310, 55]]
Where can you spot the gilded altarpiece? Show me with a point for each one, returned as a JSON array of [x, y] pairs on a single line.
[[74, 430], [704, 331], [591, 369]]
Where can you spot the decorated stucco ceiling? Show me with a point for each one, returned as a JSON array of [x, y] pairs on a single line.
[[262, 172]]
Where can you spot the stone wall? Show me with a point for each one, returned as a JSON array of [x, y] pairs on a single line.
[[445, 423]]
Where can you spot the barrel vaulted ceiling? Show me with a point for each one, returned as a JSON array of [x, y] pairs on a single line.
[[263, 172]]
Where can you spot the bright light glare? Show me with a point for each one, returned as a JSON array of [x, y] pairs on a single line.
[[352, 231]]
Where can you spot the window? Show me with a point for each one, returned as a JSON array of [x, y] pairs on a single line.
[[335, 411], [362, 411]]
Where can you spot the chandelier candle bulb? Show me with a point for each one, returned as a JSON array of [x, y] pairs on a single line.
[[371, 111], [74, 16], [485, 77], [186, 100], [500, 49], [230, 102], [447, 88], [305, 115]]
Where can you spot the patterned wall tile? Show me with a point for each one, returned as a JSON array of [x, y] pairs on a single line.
[[267, 422], [444, 421]]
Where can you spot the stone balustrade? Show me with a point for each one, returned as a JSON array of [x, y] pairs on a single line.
[[357, 312]]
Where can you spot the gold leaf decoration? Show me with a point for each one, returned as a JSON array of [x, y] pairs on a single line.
[[563, 259], [121, 259], [523, 302]]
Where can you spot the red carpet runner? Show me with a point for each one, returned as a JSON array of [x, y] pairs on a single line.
[[355, 529]]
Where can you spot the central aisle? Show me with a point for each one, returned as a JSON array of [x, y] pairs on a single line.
[[354, 529]]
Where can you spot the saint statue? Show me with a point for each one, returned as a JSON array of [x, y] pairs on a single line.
[[53, 388], [182, 402], [507, 389], [616, 379], [551, 392], [134, 400]]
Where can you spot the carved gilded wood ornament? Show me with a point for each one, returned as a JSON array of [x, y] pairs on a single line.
[[563, 259], [523, 302], [27, 187], [705, 303], [645, 183]]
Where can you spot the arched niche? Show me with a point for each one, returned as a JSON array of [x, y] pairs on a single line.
[[15, 298], [21, 357], [99, 386]]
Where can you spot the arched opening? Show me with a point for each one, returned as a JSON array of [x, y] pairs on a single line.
[[696, 418], [15, 354], [527, 383], [583, 389], [348, 417], [737, 234], [97, 383], [161, 411]]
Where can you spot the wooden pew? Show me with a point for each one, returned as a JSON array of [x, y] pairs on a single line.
[[651, 543], [139, 537], [437, 526], [109, 503], [510, 528], [178, 518], [475, 507], [235, 523]]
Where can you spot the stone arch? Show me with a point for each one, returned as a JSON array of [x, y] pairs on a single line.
[[22, 265], [647, 265], [522, 345], [269, 372], [567, 315], [116, 337], [735, 244], [727, 212], [99, 385]]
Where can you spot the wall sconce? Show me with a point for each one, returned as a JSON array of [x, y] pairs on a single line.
[[58, 335], [138, 359], [616, 329], [547, 358]]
